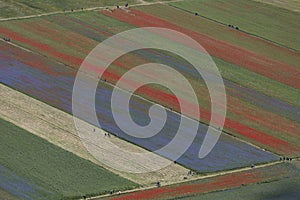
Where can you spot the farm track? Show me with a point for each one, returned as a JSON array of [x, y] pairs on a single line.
[[142, 3], [180, 169], [217, 174]]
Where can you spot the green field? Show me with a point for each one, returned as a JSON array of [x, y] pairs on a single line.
[[220, 32], [14, 8], [293, 5], [260, 19], [282, 189], [56, 172]]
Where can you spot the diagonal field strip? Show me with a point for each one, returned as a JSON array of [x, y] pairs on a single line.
[[247, 32], [142, 3], [267, 173], [57, 91], [261, 121], [58, 128], [228, 179]]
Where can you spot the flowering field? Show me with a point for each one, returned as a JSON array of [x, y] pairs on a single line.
[[259, 109], [286, 188], [53, 85], [193, 190], [261, 77]]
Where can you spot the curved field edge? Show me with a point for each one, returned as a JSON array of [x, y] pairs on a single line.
[[269, 22], [59, 173], [217, 183]]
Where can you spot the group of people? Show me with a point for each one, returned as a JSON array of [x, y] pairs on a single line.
[[286, 158], [126, 5], [232, 26], [6, 39], [72, 10]]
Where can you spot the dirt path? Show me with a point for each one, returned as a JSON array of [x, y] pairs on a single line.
[[58, 128], [141, 3]]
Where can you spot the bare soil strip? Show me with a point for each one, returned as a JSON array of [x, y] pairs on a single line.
[[58, 128]]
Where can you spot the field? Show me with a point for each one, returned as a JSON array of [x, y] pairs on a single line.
[[55, 88], [58, 128], [235, 180], [33, 168], [10, 8], [269, 22], [286, 188], [222, 32], [43, 157], [247, 113], [292, 5]]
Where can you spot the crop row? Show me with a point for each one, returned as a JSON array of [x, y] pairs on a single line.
[[55, 88]]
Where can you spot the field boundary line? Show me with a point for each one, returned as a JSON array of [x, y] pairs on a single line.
[[222, 173], [143, 3], [246, 32], [153, 102], [64, 134]]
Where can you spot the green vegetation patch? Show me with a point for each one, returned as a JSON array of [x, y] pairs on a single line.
[[60, 172], [277, 24]]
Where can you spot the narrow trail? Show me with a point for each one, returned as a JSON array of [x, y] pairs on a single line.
[[141, 3]]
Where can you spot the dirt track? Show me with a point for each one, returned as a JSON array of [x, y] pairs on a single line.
[[141, 3], [58, 128]]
